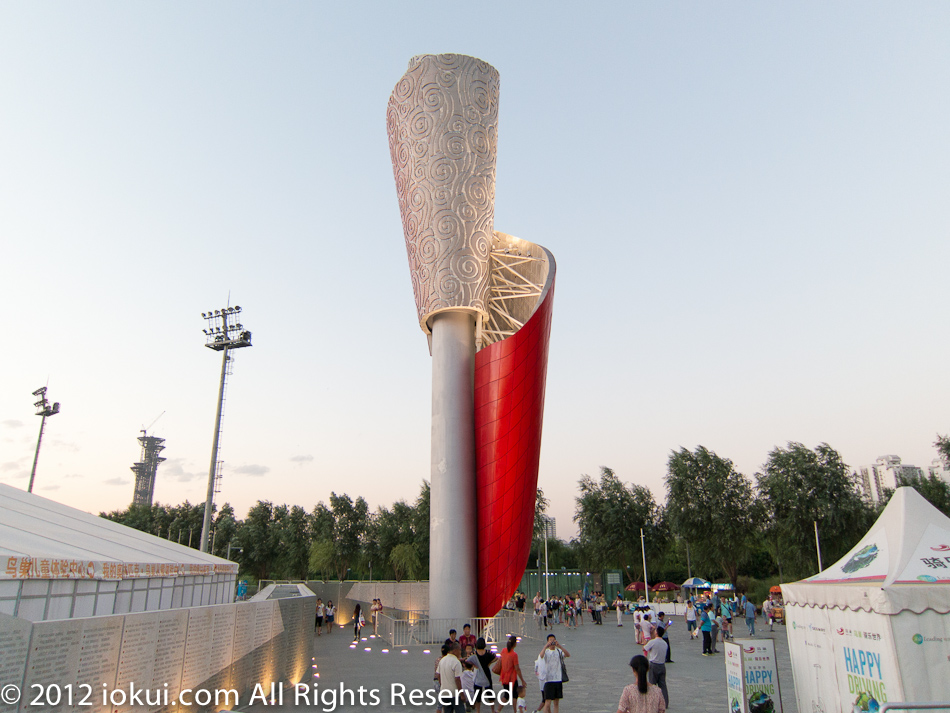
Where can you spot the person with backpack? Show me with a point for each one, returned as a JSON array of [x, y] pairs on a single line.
[[482, 660]]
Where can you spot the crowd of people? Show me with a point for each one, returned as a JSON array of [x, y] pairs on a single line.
[[568, 610], [713, 618], [467, 665]]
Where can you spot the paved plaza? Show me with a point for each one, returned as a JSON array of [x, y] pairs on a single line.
[[597, 667]]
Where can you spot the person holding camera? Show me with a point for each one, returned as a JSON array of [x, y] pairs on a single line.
[[553, 654]]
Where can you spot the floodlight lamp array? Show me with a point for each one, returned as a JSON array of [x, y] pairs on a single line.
[[224, 331]]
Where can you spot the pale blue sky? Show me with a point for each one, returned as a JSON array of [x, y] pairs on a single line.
[[748, 205]]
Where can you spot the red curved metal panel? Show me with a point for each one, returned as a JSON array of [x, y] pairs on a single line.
[[509, 406]]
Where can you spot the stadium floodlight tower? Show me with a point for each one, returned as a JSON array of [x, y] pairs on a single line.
[[225, 332], [43, 409]]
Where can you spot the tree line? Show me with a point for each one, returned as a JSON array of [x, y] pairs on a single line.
[[715, 522]]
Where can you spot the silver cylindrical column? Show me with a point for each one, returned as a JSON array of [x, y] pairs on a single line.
[[453, 583]]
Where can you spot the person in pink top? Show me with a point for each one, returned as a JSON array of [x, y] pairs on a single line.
[[642, 696]]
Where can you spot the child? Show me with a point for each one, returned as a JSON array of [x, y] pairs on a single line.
[[468, 679], [522, 706]]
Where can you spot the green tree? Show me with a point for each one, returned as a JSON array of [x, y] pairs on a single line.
[[322, 558], [540, 507], [388, 529], [340, 527], [712, 506], [610, 515], [225, 529], [404, 559], [799, 487], [293, 542], [420, 526], [259, 541], [942, 444]]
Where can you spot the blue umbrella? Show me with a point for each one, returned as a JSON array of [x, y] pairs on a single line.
[[695, 583]]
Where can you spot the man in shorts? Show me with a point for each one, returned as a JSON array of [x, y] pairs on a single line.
[[553, 654]]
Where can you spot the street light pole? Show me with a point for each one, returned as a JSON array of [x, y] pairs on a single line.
[[646, 583], [818, 547], [42, 409]]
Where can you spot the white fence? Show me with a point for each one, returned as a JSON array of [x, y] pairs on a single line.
[[415, 628]]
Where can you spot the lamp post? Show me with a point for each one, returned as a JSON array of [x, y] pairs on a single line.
[[43, 409], [550, 530], [643, 549], [224, 333]]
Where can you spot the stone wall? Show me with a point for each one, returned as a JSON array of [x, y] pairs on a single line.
[[225, 646]]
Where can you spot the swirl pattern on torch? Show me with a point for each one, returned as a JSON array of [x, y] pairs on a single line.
[[442, 122]]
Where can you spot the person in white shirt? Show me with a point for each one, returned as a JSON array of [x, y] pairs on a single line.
[[522, 706], [449, 675], [320, 611], [691, 621], [553, 654], [619, 605], [655, 651], [646, 626]]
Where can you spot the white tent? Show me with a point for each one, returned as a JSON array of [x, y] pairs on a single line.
[[57, 562], [873, 628]]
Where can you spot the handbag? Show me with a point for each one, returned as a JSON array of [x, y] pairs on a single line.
[[496, 667], [564, 677]]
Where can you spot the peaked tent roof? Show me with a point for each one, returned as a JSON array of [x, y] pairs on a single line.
[[37, 535], [902, 563]]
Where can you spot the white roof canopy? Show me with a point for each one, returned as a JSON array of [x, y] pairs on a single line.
[[42, 539], [902, 563]]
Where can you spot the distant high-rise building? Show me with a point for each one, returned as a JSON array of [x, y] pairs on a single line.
[[940, 467], [885, 473], [146, 470]]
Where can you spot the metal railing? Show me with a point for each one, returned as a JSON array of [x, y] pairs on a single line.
[[897, 706], [415, 628]]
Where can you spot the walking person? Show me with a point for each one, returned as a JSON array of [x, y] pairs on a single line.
[[655, 651], [482, 660], [750, 616], [646, 628], [358, 623], [642, 696], [726, 610], [691, 620], [716, 621], [449, 677], [554, 655], [330, 613], [377, 610], [543, 615], [320, 613], [705, 626], [510, 673], [662, 621], [619, 605]]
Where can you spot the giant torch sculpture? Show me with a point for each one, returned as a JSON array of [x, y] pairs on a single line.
[[484, 299]]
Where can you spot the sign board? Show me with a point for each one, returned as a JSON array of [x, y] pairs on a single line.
[[752, 676], [734, 679]]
